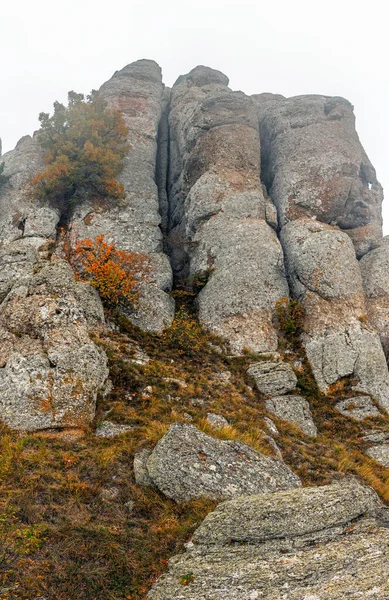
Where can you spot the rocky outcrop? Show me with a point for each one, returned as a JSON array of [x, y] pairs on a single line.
[[50, 369], [218, 212], [27, 229], [325, 277], [134, 225], [324, 543], [187, 463], [375, 276], [314, 165]]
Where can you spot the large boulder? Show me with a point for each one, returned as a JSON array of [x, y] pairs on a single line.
[[219, 232], [134, 224], [325, 277], [50, 369], [324, 543], [314, 165], [186, 463]]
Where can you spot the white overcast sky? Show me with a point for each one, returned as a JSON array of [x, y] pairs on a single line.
[[336, 47]]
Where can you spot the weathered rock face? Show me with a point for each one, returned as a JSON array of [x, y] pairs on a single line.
[[50, 370], [315, 543], [325, 277], [218, 212], [273, 377], [314, 165], [19, 216], [375, 276], [358, 408], [187, 463], [137, 91], [26, 229], [293, 409]]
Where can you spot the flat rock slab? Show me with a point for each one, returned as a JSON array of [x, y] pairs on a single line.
[[358, 408], [294, 517], [380, 454], [186, 463], [108, 429], [273, 378], [305, 544], [293, 409]]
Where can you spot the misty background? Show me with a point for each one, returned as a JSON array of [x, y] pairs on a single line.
[[334, 48]]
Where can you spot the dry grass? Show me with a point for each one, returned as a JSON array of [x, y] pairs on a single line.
[[67, 526]]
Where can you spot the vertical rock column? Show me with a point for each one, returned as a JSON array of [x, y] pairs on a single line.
[[137, 91], [329, 206], [50, 370], [218, 212], [26, 229], [375, 274]]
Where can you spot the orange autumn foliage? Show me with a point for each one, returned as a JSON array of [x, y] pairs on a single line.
[[116, 274], [85, 145]]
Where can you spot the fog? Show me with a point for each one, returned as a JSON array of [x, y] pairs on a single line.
[[333, 48]]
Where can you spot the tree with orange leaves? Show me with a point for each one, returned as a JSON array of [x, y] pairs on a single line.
[[116, 274], [85, 144]]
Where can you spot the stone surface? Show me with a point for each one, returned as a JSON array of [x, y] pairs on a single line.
[[293, 409], [108, 429], [50, 370], [325, 277], [271, 426], [273, 378], [216, 421], [140, 468], [187, 463], [218, 228], [19, 216], [375, 275], [304, 544], [380, 454], [134, 225], [358, 408], [314, 165]]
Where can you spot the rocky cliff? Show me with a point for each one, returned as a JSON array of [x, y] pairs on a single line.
[[265, 212]]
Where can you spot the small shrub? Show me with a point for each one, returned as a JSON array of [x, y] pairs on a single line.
[[186, 334], [116, 274], [290, 314]]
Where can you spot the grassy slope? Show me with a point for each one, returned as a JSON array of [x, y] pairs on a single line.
[[67, 530]]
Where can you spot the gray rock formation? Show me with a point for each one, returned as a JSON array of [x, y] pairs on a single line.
[[375, 276], [134, 225], [293, 409], [314, 544], [314, 165], [325, 277], [26, 229], [50, 370], [218, 212], [273, 378], [358, 408], [187, 463]]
